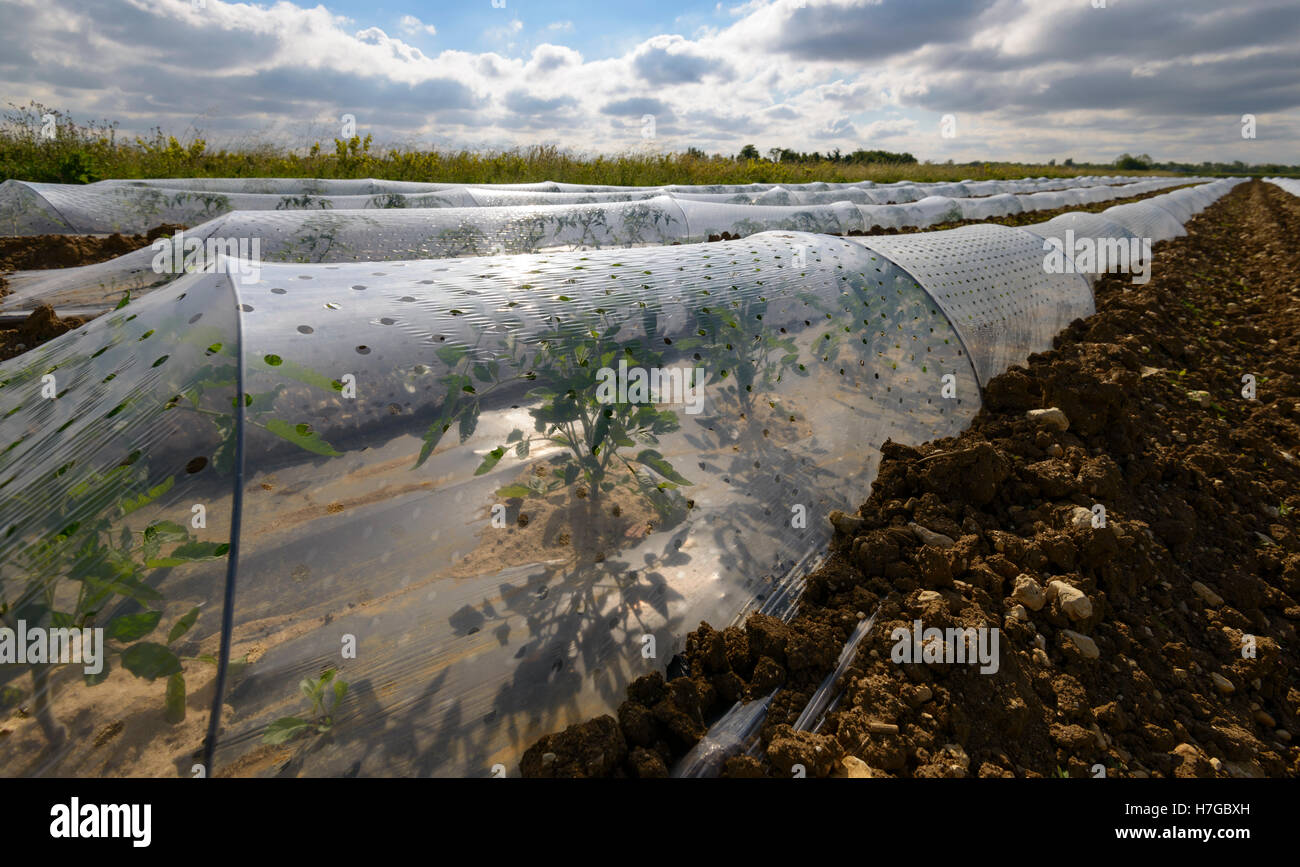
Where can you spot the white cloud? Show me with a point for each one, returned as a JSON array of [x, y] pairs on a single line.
[[413, 26], [548, 58], [1027, 79], [505, 31]]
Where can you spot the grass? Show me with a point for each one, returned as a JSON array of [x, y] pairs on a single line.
[[84, 153]]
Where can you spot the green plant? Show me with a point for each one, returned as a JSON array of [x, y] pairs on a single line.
[[571, 414], [93, 559], [214, 204], [325, 694], [388, 200], [644, 223], [303, 202], [27, 154], [590, 223], [111, 564], [743, 352], [568, 410], [318, 237], [77, 167], [462, 241]]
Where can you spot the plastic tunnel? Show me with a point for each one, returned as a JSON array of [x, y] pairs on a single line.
[[485, 492], [137, 206], [387, 234], [1155, 219], [1291, 185]]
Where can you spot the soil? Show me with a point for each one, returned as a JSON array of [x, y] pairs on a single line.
[[44, 324], [568, 526], [117, 729], [41, 252], [1151, 674]]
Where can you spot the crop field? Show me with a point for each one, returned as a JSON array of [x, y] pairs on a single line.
[[510, 449], [546, 423]]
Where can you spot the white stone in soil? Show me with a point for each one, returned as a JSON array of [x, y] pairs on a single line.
[[1052, 417], [929, 537], [1073, 601], [1028, 592], [1087, 647]]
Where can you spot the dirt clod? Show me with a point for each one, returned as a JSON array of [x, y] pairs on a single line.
[[42, 325]]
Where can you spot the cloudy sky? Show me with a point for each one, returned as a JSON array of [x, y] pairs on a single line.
[[1024, 79]]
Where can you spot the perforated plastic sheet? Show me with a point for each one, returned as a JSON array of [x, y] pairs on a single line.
[[24, 211], [1196, 199], [488, 198], [1181, 211], [1291, 185], [433, 479], [95, 209], [1045, 201], [136, 206], [1095, 244], [1160, 217], [333, 236], [475, 639], [117, 446], [1070, 230], [984, 207], [368, 186], [991, 282], [380, 235], [1146, 220]]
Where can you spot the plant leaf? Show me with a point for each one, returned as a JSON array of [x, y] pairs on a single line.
[[309, 688], [130, 504], [304, 375], [284, 729], [183, 625], [126, 584], [191, 552], [431, 438], [299, 436], [601, 429], [449, 355], [656, 462], [165, 531], [150, 660], [130, 627], [468, 422], [490, 460]]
